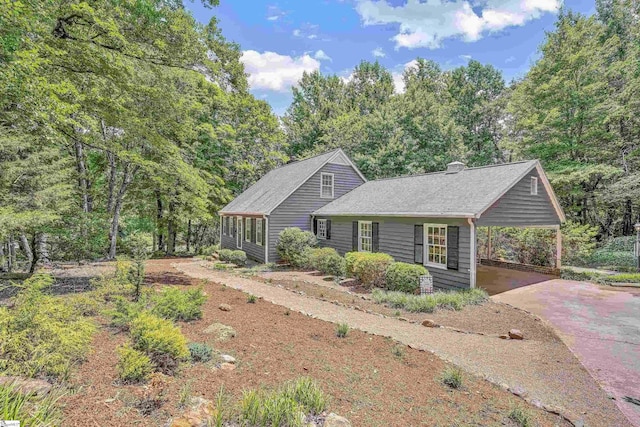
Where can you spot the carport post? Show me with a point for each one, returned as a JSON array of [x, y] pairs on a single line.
[[489, 242], [558, 247]]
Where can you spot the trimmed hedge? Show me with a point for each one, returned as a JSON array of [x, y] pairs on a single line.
[[368, 268], [404, 277], [327, 261], [294, 244], [236, 257]]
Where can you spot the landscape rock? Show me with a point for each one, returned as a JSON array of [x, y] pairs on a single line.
[[227, 366], [228, 358], [198, 413], [224, 307], [504, 337], [429, 323], [27, 385], [518, 391], [515, 334], [221, 331], [334, 420]]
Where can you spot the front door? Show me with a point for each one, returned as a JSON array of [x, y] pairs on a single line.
[[239, 232]]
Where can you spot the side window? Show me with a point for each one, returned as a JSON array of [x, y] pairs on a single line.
[[322, 229], [436, 244], [224, 225], [326, 185], [247, 229], [259, 225], [534, 186], [365, 236]]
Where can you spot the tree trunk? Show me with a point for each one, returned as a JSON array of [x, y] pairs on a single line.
[[82, 177], [34, 254], [159, 221], [3, 260], [43, 250], [117, 207], [188, 235], [26, 248], [171, 232], [11, 250], [112, 180]]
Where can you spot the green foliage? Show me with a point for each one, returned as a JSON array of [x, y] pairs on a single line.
[[200, 352], [452, 300], [452, 377], [42, 335], [29, 408], [133, 365], [578, 242], [404, 277], [327, 261], [293, 245], [612, 260], [236, 257], [175, 304], [620, 244], [342, 330], [569, 273], [622, 278], [521, 416], [251, 299], [368, 268], [123, 312], [209, 250], [158, 337], [307, 393]]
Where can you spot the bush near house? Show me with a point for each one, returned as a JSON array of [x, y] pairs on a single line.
[[368, 268], [208, 250], [293, 246], [404, 277], [236, 257], [327, 261]]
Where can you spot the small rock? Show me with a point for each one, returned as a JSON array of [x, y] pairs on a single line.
[[430, 323], [26, 385], [504, 337], [228, 358], [515, 334], [334, 420], [578, 423], [403, 319], [200, 411], [518, 391], [227, 366], [224, 307], [536, 403], [222, 332]]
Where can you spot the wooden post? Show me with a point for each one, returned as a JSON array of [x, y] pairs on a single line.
[[488, 243], [558, 247]]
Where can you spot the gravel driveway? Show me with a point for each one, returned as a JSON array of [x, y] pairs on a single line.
[[601, 325], [544, 373]]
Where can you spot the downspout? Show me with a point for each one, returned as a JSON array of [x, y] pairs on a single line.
[[473, 252]]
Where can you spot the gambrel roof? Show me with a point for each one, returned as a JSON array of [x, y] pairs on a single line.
[[466, 193], [277, 185]]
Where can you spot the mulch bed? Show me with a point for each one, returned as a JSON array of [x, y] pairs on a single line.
[[371, 380]]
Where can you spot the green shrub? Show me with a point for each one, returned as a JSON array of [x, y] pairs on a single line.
[[293, 244], [158, 337], [452, 377], [31, 409], [133, 365], [342, 330], [520, 416], [621, 278], [85, 304], [174, 304], [568, 273], [612, 260], [453, 300], [306, 392], [252, 299], [620, 244], [236, 257], [200, 352], [224, 254], [208, 250], [123, 312], [404, 277], [327, 261], [42, 335], [368, 268]]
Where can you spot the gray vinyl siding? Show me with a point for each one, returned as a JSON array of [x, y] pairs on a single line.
[[253, 250], [296, 210], [518, 207], [396, 239]]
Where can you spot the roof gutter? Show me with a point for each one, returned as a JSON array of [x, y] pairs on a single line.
[[260, 214], [403, 215]]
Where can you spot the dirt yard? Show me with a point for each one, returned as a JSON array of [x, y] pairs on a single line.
[[371, 380]]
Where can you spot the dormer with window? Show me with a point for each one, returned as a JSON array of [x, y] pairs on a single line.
[[326, 185]]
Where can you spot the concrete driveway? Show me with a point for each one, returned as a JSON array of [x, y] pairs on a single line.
[[601, 325]]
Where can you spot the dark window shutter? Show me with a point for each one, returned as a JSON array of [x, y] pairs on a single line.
[[453, 248], [418, 244], [264, 231], [253, 230], [328, 229], [315, 226], [374, 237], [354, 236]]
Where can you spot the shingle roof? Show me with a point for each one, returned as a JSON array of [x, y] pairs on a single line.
[[274, 187], [463, 194]]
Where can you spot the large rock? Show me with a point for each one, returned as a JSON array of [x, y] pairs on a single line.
[[198, 413], [334, 420], [27, 385], [515, 334], [430, 323], [222, 332]]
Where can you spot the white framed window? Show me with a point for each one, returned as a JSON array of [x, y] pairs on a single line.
[[224, 225], [435, 239], [365, 236], [259, 226], [326, 185], [322, 229], [534, 186], [247, 229]]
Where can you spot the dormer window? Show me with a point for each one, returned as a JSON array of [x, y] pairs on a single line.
[[326, 185], [534, 186]]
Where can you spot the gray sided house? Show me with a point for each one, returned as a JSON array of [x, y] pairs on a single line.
[[285, 197], [428, 219]]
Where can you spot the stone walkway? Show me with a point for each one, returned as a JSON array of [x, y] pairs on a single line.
[[544, 373]]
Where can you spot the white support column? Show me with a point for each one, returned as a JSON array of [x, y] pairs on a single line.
[[265, 230], [489, 242], [558, 247], [473, 251]]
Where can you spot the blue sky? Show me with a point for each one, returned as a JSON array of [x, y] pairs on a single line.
[[281, 39]]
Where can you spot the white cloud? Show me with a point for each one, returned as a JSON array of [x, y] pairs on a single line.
[[274, 13], [465, 57], [398, 82], [428, 23], [312, 36], [510, 59], [272, 71], [378, 52], [297, 33], [321, 56]]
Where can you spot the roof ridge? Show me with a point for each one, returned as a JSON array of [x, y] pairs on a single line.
[[304, 160], [445, 172]]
